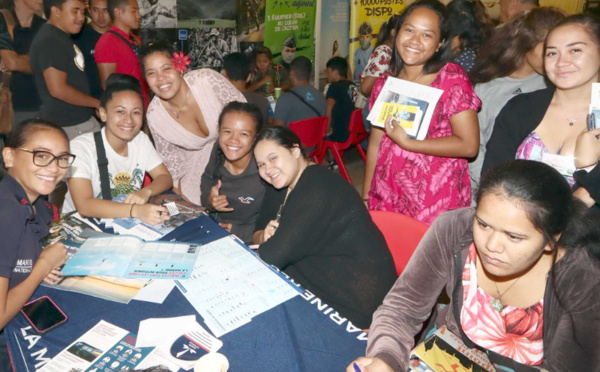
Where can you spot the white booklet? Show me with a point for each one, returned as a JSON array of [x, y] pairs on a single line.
[[409, 103]]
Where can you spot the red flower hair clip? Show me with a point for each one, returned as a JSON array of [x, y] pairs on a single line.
[[180, 62]]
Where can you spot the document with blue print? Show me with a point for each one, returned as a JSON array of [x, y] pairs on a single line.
[[230, 285], [126, 256]]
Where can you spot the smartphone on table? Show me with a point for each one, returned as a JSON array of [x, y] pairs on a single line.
[[43, 314]]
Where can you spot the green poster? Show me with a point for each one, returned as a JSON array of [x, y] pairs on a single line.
[[289, 29]]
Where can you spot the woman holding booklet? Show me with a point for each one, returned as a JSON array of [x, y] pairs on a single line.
[[422, 179], [521, 271]]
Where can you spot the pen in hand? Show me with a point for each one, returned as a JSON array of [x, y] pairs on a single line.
[[279, 213]]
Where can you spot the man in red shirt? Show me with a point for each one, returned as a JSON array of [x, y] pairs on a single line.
[[116, 50]]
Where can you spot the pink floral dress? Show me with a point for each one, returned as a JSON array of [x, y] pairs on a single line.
[[514, 332], [418, 185]]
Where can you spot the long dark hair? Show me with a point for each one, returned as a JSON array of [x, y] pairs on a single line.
[[385, 31], [506, 49], [548, 202], [439, 59], [283, 136], [468, 21], [589, 22], [242, 107], [161, 46]]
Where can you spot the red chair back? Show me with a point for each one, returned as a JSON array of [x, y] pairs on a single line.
[[402, 234], [357, 131], [311, 133]]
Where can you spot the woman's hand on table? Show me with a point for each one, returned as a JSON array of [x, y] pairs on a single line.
[[269, 230], [365, 364], [139, 197], [587, 148], [151, 214], [226, 226], [54, 256], [218, 202], [54, 277]]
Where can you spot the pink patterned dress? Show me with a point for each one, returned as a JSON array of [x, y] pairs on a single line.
[[418, 185], [514, 332]]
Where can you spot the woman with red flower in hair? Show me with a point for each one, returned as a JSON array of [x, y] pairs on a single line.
[[521, 271], [183, 115]]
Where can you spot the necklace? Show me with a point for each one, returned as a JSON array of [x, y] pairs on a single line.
[[176, 114], [497, 302]]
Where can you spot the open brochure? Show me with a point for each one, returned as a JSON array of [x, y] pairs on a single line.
[[410, 104], [131, 257], [180, 210], [444, 351]]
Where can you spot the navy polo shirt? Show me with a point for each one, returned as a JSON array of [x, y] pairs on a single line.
[[21, 229]]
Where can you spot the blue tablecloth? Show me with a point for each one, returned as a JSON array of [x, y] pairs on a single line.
[[303, 334]]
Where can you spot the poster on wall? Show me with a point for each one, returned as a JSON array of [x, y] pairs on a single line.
[[206, 13], [335, 23], [209, 46], [158, 13], [250, 21], [149, 35], [289, 30], [366, 18]]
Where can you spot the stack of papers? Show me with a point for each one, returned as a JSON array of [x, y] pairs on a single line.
[[230, 285]]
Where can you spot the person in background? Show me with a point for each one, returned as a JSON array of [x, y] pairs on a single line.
[[116, 50], [59, 69], [184, 114], [37, 158], [261, 80], [303, 101], [130, 155], [364, 50], [378, 63], [422, 179], [587, 176], [544, 125], [317, 230], [236, 69], [510, 63], [521, 271], [88, 37], [469, 28], [14, 56], [510, 8], [341, 96], [232, 189]]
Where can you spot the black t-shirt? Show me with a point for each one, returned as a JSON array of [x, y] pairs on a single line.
[[86, 41], [342, 92], [259, 101], [24, 91], [53, 47]]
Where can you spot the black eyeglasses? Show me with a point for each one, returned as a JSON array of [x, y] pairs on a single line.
[[43, 158]]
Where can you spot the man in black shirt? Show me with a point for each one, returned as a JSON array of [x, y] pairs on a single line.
[[341, 96], [14, 53], [88, 37], [59, 69]]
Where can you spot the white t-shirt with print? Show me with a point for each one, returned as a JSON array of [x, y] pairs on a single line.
[[126, 174]]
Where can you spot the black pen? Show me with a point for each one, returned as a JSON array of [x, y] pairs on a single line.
[[279, 213]]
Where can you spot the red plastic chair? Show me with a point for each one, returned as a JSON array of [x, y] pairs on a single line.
[[311, 132], [402, 235], [357, 134]]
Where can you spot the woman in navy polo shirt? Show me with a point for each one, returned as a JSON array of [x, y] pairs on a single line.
[[36, 157]]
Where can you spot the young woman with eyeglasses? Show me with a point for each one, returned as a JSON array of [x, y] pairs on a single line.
[[36, 157]]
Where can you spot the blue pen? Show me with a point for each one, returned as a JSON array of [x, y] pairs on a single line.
[[356, 367]]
